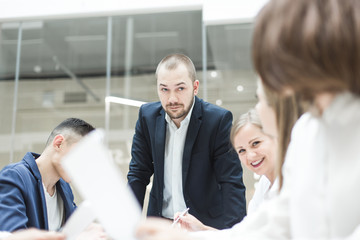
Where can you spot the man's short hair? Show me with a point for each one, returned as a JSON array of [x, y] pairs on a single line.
[[172, 61], [71, 128]]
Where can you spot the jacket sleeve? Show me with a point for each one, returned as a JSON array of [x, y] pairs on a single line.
[[229, 174], [141, 165], [12, 204]]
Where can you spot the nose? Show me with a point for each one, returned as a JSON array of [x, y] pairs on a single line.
[[173, 98], [250, 154]]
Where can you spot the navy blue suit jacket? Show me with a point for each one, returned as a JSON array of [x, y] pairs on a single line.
[[212, 175], [22, 199]]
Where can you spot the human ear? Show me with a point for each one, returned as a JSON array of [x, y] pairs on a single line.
[[196, 86], [58, 140]]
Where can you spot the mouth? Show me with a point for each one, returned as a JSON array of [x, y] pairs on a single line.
[[174, 107], [257, 163]]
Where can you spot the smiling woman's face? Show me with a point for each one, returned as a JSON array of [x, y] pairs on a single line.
[[256, 150], [266, 113]]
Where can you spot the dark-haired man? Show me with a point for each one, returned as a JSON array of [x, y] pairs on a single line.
[[34, 193]]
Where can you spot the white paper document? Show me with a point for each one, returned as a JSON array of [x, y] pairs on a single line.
[[96, 177], [82, 217]]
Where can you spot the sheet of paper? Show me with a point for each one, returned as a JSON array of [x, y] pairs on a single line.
[[97, 179], [79, 220]]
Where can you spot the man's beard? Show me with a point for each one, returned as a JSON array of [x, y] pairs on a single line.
[[180, 114]]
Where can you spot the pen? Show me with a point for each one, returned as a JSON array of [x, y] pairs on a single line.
[[180, 216]]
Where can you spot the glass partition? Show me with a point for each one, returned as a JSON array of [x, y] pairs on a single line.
[[232, 82], [8, 50], [62, 73]]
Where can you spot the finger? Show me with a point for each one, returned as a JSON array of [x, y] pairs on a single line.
[[176, 215]]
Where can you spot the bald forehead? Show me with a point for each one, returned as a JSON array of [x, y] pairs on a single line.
[[178, 67]]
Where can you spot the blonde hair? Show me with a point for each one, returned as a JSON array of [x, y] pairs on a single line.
[[249, 117]]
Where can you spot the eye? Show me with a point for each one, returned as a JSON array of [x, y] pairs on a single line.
[[241, 151], [254, 144], [164, 89], [181, 88]]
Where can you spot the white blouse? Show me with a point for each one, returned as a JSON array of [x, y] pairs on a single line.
[[263, 191], [320, 198]]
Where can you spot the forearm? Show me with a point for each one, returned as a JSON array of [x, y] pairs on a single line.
[[12, 205]]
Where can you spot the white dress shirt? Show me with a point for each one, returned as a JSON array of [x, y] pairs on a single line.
[[174, 147], [320, 197]]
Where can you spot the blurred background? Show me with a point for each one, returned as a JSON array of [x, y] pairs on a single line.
[[60, 60]]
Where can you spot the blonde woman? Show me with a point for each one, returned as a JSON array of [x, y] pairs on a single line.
[[257, 152]]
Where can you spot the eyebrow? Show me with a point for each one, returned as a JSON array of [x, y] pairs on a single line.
[[178, 84]]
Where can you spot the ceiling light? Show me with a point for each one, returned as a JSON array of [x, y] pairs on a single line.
[[213, 74], [37, 69], [240, 88], [219, 102]]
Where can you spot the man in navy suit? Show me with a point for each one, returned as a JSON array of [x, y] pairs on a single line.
[[184, 142]]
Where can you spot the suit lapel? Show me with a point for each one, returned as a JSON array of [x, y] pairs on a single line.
[[66, 200], [192, 132], [30, 159], [160, 134]]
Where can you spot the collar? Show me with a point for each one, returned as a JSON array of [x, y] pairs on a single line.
[[30, 158]]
